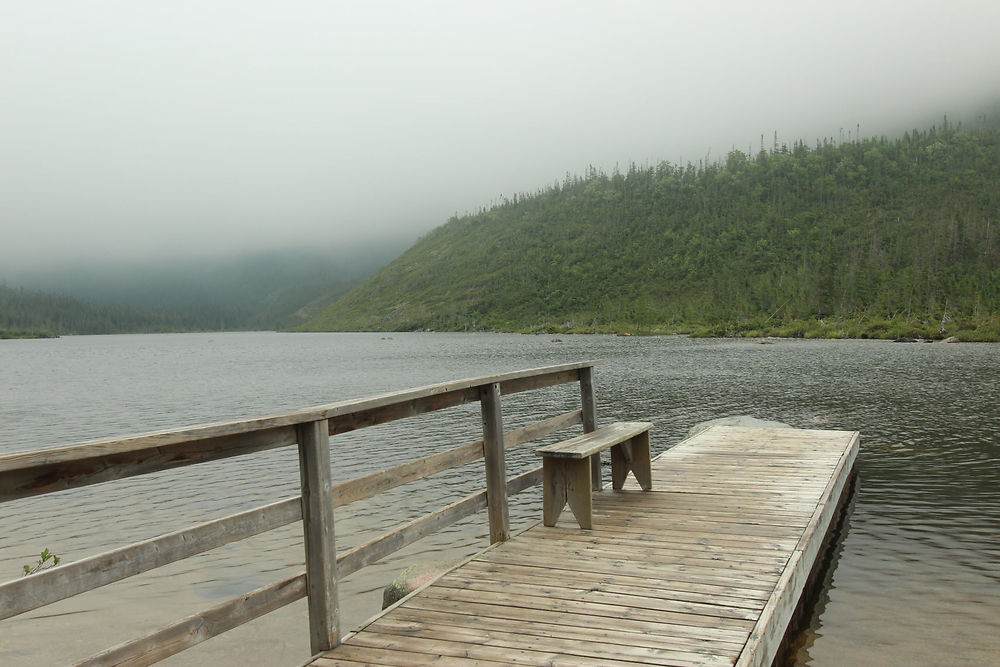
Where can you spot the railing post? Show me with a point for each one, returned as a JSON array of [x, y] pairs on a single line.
[[320, 543], [496, 468], [589, 405]]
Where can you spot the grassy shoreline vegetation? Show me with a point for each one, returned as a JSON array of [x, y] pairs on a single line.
[[964, 330], [7, 334], [871, 238]]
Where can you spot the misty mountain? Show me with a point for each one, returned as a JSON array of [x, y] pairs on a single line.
[[25, 313], [281, 288], [871, 237]]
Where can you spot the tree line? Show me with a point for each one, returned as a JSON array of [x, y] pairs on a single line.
[[867, 237]]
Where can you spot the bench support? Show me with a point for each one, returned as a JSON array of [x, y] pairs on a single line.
[[632, 455], [566, 480], [568, 471]]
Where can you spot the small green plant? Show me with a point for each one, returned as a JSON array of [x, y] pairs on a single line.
[[47, 559]]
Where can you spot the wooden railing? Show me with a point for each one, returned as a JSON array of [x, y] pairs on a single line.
[[41, 472]]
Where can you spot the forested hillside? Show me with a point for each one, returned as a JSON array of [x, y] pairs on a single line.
[[26, 313], [275, 289], [875, 237]]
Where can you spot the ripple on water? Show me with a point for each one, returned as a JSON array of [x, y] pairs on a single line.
[[916, 574]]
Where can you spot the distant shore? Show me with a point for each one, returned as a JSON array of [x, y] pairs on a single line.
[[6, 334], [981, 330]]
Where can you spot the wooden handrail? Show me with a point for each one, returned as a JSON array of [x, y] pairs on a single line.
[[55, 584], [34, 473], [59, 583]]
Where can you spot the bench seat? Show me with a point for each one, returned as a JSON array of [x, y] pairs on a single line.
[[567, 468]]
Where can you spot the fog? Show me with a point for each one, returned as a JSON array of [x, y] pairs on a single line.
[[149, 130]]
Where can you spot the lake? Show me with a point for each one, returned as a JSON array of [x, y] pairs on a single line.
[[917, 571]]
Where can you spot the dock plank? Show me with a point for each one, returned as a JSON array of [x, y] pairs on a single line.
[[702, 570]]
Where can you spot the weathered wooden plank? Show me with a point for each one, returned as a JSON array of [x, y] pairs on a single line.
[[754, 528], [496, 466], [380, 547], [686, 503], [567, 480], [767, 634], [59, 583], [766, 574], [383, 414], [632, 455], [558, 619], [558, 485], [410, 619], [657, 547], [32, 473], [539, 641], [459, 649], [696, 625], [583, 446], [686, 570], [694, 523], [367, 486], [588, 400], [547, 588], [760, 518], [542, 428], [680, 589], [396, 657], [528, 383], [35, 473], [320, 539], [656, 556], [516, 485], [372, 484], [197, 628], [685, 543], [639, 569], [737, 543]]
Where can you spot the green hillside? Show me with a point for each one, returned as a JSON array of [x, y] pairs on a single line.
[[32, 314], [873, 238]]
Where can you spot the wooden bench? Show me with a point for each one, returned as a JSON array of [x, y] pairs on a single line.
[[567, 468]]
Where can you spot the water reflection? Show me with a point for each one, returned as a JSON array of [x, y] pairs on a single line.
[[917, 576]]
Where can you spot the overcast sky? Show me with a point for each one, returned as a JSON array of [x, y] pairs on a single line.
[[139, 129]]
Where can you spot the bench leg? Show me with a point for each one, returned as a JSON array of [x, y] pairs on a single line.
[[566, 480], [632, 455], [595, 472], [553, 490], [642, 468]]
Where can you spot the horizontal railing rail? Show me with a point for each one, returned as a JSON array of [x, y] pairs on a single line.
[[35, 473]]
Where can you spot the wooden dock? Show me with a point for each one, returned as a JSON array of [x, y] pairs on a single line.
[[705, 569], [704, 566]]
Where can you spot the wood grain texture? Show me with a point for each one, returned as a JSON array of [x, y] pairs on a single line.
[[380, 547], [703, 569], [59, 583], [197, 628], [496, 467], [372, 484], [588, 400], [568, 467], [584, 446], [33, 473], [320, 539]]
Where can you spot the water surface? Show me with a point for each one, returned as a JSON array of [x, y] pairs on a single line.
[[917, 577]]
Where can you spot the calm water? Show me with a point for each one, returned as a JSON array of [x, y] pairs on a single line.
[[917, 578]]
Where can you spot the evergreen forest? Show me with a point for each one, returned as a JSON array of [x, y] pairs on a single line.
[[276, 289], [865, 238]]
